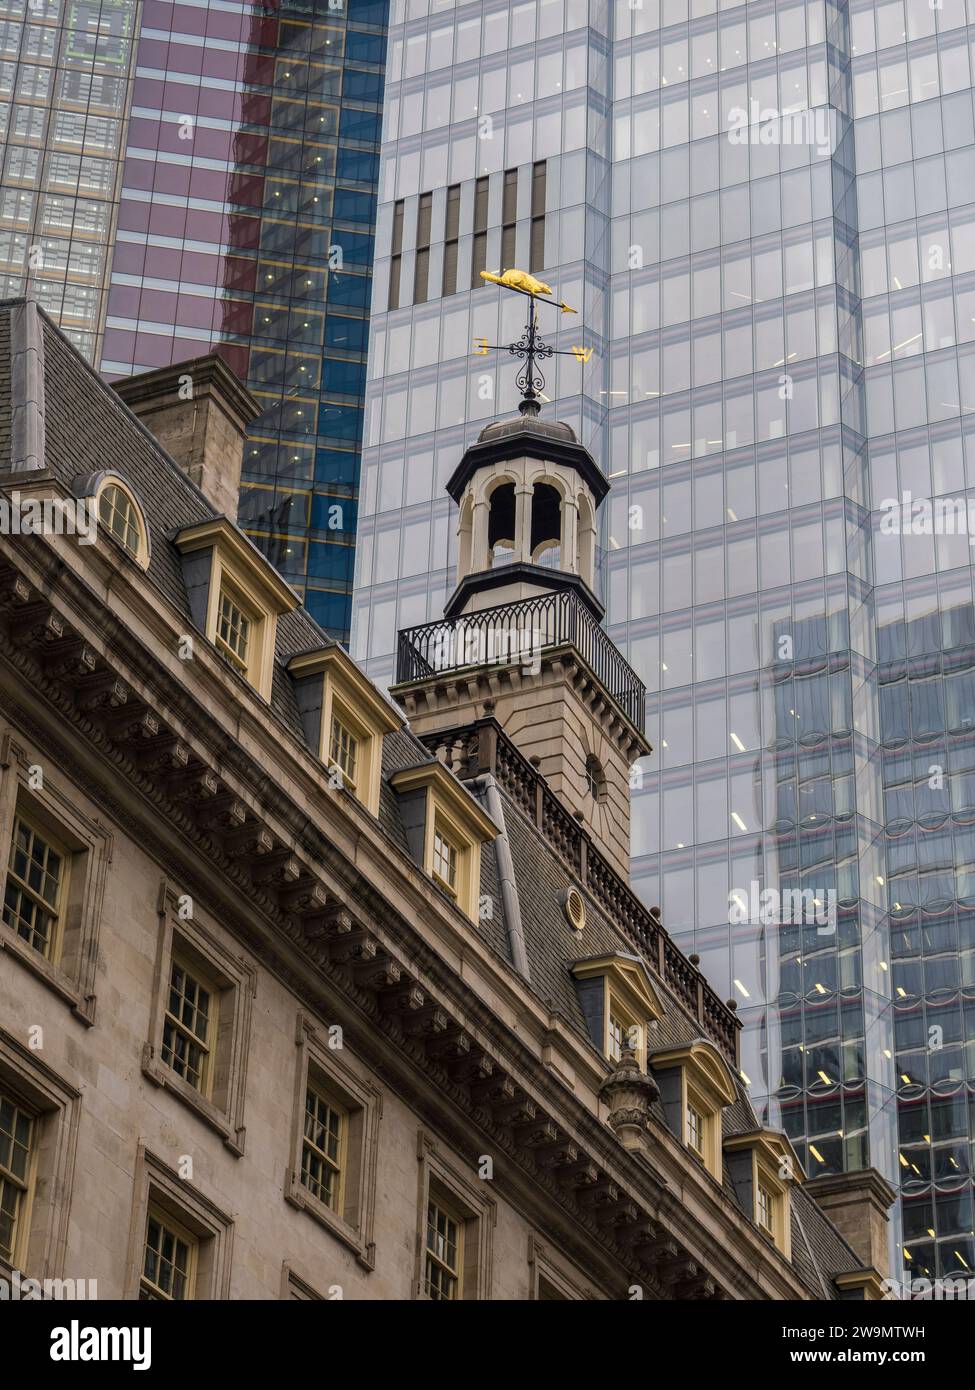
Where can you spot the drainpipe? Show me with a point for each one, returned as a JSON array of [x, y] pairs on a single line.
[[27, 451], [506, 873]]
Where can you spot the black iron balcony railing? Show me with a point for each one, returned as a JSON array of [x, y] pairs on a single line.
[[521, 632]]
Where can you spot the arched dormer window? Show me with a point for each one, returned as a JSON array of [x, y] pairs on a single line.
[[546, 530], [120, 515], [501, 526]]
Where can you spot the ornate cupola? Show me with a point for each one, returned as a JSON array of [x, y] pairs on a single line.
[[527, 493], [521, 638]]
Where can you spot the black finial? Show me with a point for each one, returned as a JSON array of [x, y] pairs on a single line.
[[530, 346]]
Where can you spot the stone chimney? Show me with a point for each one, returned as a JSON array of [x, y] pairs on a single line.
[[857, 1205], [199, 411]]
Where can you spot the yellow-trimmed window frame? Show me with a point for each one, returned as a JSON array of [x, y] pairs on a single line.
[[136, 548], [451, 812], [764, 1207], [257, 666], [706, 1087], [237, 627], [343, 752], [702, 1102], [774, 1169], [443, 1251], [334, 1162], [237, 568], [171, 1237], [24, 886], [447, 863], [18, 1157], [339, 710], [771, 1198], [442, 826], [624, 1028], [176, 1020], [695, 1128], [347, 696]]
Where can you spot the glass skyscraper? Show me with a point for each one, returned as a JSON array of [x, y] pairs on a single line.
[[179, 176], [765, 214]]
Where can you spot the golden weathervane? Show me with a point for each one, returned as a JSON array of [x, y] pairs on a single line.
[[530, 346]]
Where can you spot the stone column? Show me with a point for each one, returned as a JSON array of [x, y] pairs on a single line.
[[465, 540], [569, 537], [523, 522], [480, 559]]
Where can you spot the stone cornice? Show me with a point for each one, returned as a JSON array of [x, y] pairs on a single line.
[[528, 443], [210, 374], [864, 1185]]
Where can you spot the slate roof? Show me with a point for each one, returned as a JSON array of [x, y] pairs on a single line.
[[79, 403], [542, 879]]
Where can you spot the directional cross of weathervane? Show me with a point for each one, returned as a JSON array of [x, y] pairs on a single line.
[[529, 346]]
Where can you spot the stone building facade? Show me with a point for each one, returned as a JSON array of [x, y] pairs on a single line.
[[295, 1001]]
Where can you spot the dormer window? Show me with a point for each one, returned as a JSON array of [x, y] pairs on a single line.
[[695, 1130], [624, 1030], [450, 858], [236, 597], [345, 720], [618, 1002], [121, 517], [445, 828], [695, 1085], [765, 1209], [763, 1166], [617, 1037]]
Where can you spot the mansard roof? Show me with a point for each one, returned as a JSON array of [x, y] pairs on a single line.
[[545, 867]]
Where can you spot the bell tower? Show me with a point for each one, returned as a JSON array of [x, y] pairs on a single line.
[[521, 637], [527, 494]]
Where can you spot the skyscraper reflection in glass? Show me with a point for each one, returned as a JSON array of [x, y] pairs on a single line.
[[185, 175], [766, 214]]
